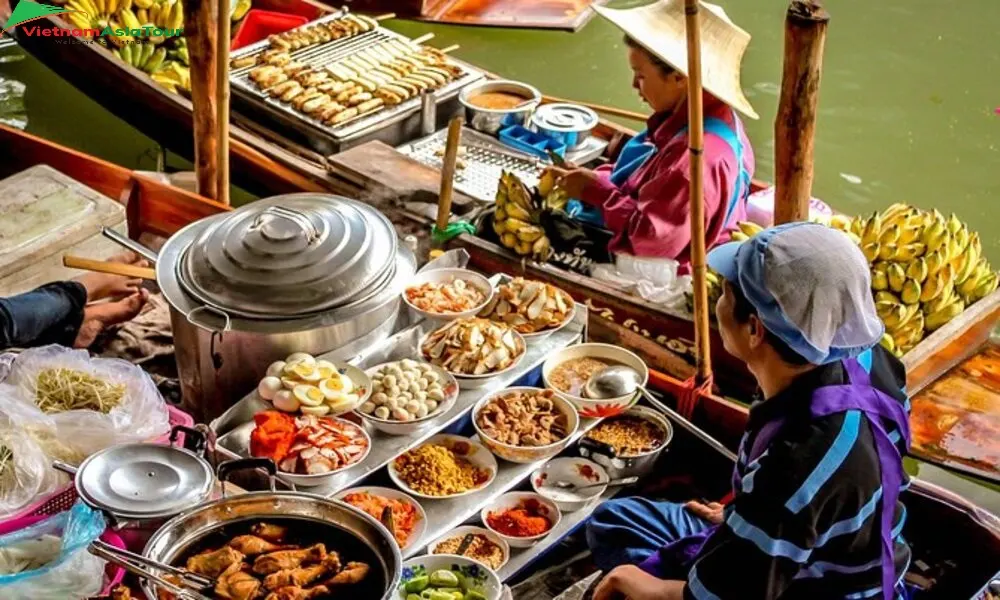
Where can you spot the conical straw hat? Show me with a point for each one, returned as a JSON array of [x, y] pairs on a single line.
[[659, 28]]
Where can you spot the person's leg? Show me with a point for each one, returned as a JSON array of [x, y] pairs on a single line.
[[629, 530], [50, 314]]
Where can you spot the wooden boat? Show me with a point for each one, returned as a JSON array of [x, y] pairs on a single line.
[[266, 162], [153, 208]]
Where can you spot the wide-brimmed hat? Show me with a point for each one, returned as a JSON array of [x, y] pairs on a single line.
[[659, 28]]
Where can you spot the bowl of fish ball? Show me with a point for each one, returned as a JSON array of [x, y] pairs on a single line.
[[474, 350], [525, 424], [288, 544], [522, 519], [407, 395], [445, 466], [447, 577], [566, 371], [484, 546], [445, 294], [492, 105], [408, 518], [628, 444], [534, 309]]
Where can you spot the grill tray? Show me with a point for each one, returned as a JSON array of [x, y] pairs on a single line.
[[393, 125]]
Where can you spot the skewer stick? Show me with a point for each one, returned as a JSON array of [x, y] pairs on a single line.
[[450, 48], [448, 172], [385, 17], [424, 38], [696, 141], [222, 106]]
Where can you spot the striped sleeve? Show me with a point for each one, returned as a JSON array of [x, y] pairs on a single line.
[[813, 485]]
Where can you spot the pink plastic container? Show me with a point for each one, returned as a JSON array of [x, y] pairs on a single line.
[[258, 24]]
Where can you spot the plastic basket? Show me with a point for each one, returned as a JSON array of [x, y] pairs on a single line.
[[258, 24], [112, 573]]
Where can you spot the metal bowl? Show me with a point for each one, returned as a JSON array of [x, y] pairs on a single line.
[[490, 120], [632, 466]]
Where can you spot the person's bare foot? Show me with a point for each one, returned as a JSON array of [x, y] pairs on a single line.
[[96, 317], [105, 285]]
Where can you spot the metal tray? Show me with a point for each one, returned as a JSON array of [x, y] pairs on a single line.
[[393, 125]]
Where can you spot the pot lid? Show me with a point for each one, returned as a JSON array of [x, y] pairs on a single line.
[[144, 480], [563, 116], [290, 256]]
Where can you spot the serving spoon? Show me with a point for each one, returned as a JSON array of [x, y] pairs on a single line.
[[621, 380], [566, 485]]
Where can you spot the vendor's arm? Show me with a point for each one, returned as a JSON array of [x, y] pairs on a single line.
[[51, 314], [635, 584]]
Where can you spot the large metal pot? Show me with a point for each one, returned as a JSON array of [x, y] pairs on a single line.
[[293, 273]]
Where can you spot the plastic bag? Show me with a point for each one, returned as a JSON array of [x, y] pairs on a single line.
[[141, 415], [27, 475], [75, 573], [653, 279]]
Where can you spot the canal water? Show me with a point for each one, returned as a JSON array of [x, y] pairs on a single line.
[[909, 108]]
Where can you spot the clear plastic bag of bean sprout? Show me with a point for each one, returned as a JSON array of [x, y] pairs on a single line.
[[25, 472], [75, 405], [49, 559]]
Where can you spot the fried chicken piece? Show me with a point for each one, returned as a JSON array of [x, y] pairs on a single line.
[[217, 563], [303, 576], [251, 545], [120, 592], [354, 572], [288, 559], [237, 585], [297, 593], [270, 532]]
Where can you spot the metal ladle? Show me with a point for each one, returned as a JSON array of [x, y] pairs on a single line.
[[620, 380]]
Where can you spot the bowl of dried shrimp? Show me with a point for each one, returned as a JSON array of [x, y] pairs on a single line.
[[534, 309], [445, 466], [525, 424], [445, 294], [473, 350], [407, 395], [566, 371], [408, 517]]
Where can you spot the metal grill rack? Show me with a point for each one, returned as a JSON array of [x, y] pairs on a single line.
[[482, 163], [377, 124]]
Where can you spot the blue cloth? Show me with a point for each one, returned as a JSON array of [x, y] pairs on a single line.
[[630, 530], [50, 314]]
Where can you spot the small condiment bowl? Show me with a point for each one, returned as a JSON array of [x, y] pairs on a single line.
[[614, 355], [577, 471], [474, 452], [526, 454], [465, 530], [477, 577], [392, 494], [447, 275], [394, 427], [512, 500], [619, 467]]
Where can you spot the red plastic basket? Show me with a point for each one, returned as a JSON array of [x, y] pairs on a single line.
[[258, 24], [113, 574]]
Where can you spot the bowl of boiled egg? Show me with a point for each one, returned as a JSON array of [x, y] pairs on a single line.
[[407, 395], [304, 384]]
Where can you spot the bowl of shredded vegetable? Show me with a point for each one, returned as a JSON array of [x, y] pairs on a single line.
[[408, 518], [521, 519]]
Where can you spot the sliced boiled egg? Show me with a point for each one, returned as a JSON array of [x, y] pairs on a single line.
[[343, 403], [319, 411], [301, 357], [307, 372], [289, 383], [336, 385], [308, 395], [326, 369]]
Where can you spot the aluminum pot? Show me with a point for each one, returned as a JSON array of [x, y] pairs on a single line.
[[632, 466], [491, 121], [232, 317], [178, 536]]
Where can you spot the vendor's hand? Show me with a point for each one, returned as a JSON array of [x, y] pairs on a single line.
[[629, 581], [711, 512], [574, 181]]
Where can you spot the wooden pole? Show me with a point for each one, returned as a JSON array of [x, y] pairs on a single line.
[[448, 172], [222, 106], [200, 28], [795, 125], [696, 146]]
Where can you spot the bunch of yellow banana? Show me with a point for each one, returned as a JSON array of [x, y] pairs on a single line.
[[96, 14], [714, 286], [516, 220], [174, 76]]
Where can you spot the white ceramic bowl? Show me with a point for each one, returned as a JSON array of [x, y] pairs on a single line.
[[465, 530], [571, 470], [447, 275], [477, 577], [533, 338], [527, 454], [614, 355], [474, 382], [418, 529], [322, 478], [472, 451], [394, 427], [513, 500]]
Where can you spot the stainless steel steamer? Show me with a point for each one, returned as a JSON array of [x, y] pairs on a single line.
[[293, 273]]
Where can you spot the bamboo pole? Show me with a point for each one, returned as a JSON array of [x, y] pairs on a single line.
[[696, 146], [222, 106], [448, 172], [795, 124], [200, 28]]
